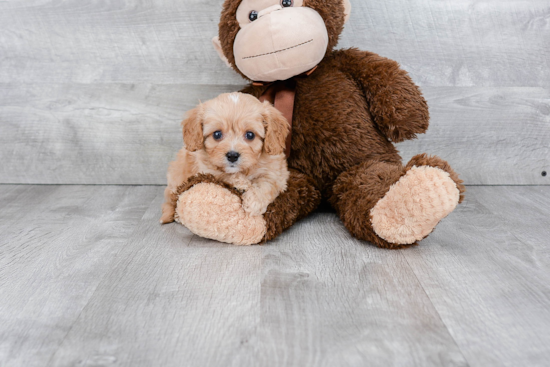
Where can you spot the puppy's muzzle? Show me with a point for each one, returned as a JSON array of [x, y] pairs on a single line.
[[232, 156]]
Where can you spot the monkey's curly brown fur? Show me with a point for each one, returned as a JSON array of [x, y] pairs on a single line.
[[284, 212], [358, 190], [347, 115], [205, 178], [336, 128]]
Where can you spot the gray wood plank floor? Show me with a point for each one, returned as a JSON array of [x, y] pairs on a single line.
[[89, 278]]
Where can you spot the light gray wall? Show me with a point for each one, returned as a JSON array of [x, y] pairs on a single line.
[[93, 92]]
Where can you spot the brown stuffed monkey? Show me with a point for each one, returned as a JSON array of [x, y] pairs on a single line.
[[350, 106]]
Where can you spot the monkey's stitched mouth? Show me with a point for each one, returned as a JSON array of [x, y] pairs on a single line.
[[284, 49]]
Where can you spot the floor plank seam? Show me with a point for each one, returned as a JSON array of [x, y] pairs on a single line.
[[100, 283], [434, 307]]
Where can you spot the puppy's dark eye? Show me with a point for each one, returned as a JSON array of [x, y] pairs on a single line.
[[250, 135], [253, 15], [217, 135], [286, 3]]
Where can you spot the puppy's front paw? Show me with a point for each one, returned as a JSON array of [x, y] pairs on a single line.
[[241, 185], [253, 203], [168, 212], [239, 182]]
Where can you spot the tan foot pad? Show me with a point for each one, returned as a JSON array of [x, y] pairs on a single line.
[[213, 212], [414, 205]]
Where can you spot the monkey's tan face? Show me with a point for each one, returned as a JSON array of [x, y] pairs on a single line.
[[233, 132], [278, 39]]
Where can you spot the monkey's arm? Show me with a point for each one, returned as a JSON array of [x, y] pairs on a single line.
[[395, 102]]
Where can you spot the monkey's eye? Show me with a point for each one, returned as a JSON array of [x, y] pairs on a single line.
[[217, 135], [286, 3], [253, 15], [250, 135]]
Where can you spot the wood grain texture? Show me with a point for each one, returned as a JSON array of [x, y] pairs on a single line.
[[315, 297], [442, 43], [331, 300], [490, 43], [13, 202], [57, 244], [8, 195], [91, 92], [487, 271], [526, 213], [171, 300], [93, 134], [127, 134], [85, 282], [491, 136]]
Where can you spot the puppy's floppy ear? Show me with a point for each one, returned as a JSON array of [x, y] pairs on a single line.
[[192, 130], [276, 130]]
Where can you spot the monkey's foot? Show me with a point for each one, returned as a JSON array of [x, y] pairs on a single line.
[[416, 203], [212, 211]]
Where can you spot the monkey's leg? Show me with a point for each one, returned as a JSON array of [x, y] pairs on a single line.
[[212, 209], [394, 206]]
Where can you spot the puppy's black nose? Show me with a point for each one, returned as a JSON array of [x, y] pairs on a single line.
[[232, 156]]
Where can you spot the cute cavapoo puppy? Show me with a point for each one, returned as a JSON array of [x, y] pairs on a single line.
[[237, 139]]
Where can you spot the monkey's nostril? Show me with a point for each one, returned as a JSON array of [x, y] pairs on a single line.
[[232, 156]]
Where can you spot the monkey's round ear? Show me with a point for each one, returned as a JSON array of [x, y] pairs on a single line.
[[192, 130], [218, 47], [347, 11]]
